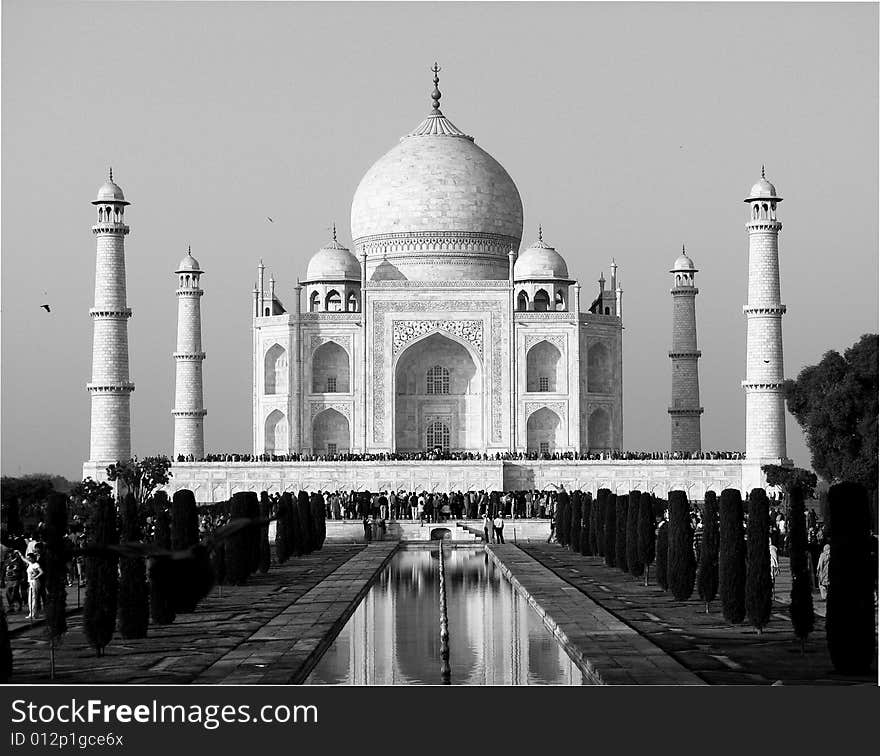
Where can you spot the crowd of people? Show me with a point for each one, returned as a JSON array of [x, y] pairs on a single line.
[[464, 456], [24, 567]]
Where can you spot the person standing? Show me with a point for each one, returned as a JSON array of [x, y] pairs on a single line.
[[34, 573], [487, 523], [822, 571], [498, 522]]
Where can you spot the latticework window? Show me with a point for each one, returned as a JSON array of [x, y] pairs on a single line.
[[437, 435], [543, 383], [437, 380]]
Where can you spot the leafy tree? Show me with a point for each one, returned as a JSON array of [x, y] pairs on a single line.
[[759, 583], [788, 478], [134, 595], [102, 576], [634, 562], [835, 402], [57, 556], [682, 565], [141, 477], [732, 557], [611, 530], [265, 551], [850, 612], [646, 532], [574, 539], [801, 607], [707, 576], [90, 492], [663, 555]]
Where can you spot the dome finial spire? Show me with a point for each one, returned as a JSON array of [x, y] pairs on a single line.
[[334, 230], [762, 171], [682, 249], [540, 233], [435, 95], [189, 250], [110, 172]]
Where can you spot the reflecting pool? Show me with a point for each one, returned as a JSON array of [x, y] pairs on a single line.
[[495, 637]]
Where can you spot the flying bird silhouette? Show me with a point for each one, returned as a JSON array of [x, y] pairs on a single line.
[[269, 219], [46, 307]]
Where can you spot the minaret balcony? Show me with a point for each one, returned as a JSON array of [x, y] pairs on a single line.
[[762, 385], [109, 387], [110, 313], [694, 353], [764, 224], [118, 229], [684, 290], [189, 413], [189, 292], [779, 309], [189, 356], [685, 412]]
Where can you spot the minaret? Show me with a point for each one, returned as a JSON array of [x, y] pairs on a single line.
[[189, 412], [685, 409], [765, 410], [110, 387]]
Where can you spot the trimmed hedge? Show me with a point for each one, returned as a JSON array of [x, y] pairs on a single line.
[[663, 555], [647, 532], [801, 608], [611, 530], [707, 577], [634, 563], [682, 564], [134, 593], [102, 578], [574, 539], [759, 584], [587, 506]]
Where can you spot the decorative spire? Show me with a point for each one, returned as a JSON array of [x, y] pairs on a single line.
[[189, 251], [110, 172], [540, 233], [435, 95], [762, 171], [334, 230], [682, 249]]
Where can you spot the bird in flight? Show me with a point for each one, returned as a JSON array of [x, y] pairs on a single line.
[[46, 307], [269, 219]]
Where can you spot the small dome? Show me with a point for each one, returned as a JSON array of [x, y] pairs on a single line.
[[333, 262], [684, 264], [763, 188], [385, 271], [540, 261], [110, 192], [188, 264]]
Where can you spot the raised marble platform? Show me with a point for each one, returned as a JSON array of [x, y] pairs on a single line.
[[217, 481]]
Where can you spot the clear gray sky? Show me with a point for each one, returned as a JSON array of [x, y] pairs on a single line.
[[629, 129]]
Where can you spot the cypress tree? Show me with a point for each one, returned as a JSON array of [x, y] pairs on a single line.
[[563, 501], [850, 615], [663, 555], [646, 532], [599, 538], [283, 543], [238, 544], [265, 551], [253, 513], [759, 584], [620, 538], [162, 572], [634, 562], [574, 540], [102, 576], [557, 522], [707, 577], [134, 595], [586, 547], [55, 563], [305, 522], [320, 524], [732, 557], [801, 607], [611, 530], [681, 564], [316, 506], [184, 535]]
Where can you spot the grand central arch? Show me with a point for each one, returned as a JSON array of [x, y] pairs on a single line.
[[438, 396]]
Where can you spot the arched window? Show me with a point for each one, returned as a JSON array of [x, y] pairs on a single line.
[[352, 302], [677, 279], [437, 381], [543, 368], [437, 434], [560, 300], [333, 302], [330, 369], [314, 302], [275, 370], [100, 215], [607, 310], [522, 302], [599, 369], [542, 301], [268, 312]]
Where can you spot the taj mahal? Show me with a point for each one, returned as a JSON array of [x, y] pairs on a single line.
[[443, 331]]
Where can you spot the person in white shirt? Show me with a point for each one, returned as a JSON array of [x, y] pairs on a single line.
[[34, 573], [498, 523]]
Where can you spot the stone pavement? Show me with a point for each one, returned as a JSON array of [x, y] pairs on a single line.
[[611, 651], [193, 645], [717, 652]]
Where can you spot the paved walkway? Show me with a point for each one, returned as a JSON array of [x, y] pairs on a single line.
[[717, 652], [611, 651], [184, 651]]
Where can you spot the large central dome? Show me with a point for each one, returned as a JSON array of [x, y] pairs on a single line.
[[438, 207]]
